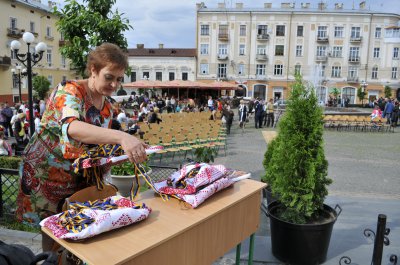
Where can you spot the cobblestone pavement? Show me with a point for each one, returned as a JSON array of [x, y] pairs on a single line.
[[362, 165]]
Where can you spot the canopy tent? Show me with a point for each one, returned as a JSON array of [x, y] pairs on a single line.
[[143, 84]]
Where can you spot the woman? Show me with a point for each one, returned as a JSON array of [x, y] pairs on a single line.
[[77, 113]]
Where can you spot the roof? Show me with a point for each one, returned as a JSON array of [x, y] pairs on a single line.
[[36, 4], [163, 52]]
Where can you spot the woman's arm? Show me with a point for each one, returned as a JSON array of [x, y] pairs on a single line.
[[91, 134]]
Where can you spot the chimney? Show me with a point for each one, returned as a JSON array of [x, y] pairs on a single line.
[[239, 5], [338, 5], [140, 46], [267, 5], [221, 5], [287, 5], [51, 4], [321, 6], [161, 46], [362, 5], [305, 5]]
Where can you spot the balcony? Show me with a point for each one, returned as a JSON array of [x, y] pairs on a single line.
[[262, 37], [352, 79], [222, 56], [261, 57], [354, 59], [61, 43], [49, 37], [321, 58], [355, 39], [15, 33], [223, 36], [5, 61], [322, 39], [35, 34]]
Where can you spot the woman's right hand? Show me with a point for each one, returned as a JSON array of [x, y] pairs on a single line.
[[134, 149]]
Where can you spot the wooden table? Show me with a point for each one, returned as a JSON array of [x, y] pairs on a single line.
[[174, 234]]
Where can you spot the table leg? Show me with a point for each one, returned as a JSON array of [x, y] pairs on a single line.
[[251, 250], [238, 253]]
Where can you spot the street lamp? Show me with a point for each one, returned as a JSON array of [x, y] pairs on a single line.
[[17, 73], [31, 59], [363, 87]]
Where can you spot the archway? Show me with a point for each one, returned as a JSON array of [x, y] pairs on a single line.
[[241, 92], [260, 91]]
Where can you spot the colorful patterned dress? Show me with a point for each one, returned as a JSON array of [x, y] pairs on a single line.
[[47, 176]]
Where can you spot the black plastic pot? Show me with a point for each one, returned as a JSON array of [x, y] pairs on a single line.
[[267, 194], [301, 244]]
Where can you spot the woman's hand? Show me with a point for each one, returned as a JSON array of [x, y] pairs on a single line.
[[134, 149]]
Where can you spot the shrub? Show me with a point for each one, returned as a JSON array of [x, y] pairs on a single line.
[[296, 167], [10, 162]]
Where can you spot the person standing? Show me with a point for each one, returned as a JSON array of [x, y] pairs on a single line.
[[258, 116], [387, 112], [8, 113], [243, 110], [270, 113]]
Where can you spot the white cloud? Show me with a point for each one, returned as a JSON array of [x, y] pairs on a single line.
[[173, 22]]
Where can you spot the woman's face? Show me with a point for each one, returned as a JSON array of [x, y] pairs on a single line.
[[107, 80]]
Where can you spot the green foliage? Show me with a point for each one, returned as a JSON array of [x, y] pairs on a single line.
[[126, 169], [41, 85], [205, 154], [10, 162], [12, 224], [87, 25], [295, 162], [361, 95], [335, 92], [388, 92]]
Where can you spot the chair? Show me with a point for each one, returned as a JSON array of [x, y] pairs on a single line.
[[90, 194]]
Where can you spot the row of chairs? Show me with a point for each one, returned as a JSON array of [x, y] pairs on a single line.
[[357, 123]]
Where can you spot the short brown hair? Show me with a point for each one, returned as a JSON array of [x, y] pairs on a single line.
[[106, 53]]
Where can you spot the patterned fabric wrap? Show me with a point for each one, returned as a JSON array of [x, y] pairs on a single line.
[[85, 220], [194, 183]]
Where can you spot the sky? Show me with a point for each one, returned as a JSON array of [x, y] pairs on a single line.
[[173, 22]]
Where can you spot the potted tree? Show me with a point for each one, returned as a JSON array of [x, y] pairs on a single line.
[[123, 174], [296, 169]]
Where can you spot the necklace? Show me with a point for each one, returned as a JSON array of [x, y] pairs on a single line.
[[89, 93]]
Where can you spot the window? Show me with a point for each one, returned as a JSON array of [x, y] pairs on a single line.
[[204, 30], [353, 72], [203, 48], [378, 33], [392, 33], [13, 55], [146, 75], [242, 48], [336, 70], [159, 76], [222, 70], [396, 53], [242, 31], [222, 49], [171, 76], [350, 93], [322, 32], [337, 51], [63, 62], [394, 72], [374, 74], [297, 69], [32, 27], [299, 50], [338, 32], [241, 69], [355, 32], [64, 78], [280, 30], [261, 49], [223, 31], [13, 23], [133, 76], [48, 31], [204, 68], [300, 31], [278, 69], [354, 54], [262, 30], [321, 50], [279, 50], [49, 57], [376, 52], [321, 70], [260, 69], [184, 76]]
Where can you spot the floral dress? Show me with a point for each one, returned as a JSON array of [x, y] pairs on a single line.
[[47, 176]]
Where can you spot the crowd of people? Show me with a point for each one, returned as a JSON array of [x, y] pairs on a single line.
[[387, 108]]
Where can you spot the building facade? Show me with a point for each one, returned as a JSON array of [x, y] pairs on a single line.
[[17, 17], [261, 49]]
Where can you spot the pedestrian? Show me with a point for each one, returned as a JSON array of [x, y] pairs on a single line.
[[270, 113], [5, 148], [78, 112]]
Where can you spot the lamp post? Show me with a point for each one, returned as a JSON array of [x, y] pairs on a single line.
[[17, 73], [29, 59], [363, 87]]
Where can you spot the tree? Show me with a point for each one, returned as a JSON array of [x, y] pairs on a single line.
[[87, 25], [41, 85], [361, 95], [388, 92], [121, 92]]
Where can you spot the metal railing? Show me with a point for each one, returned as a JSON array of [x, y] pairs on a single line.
[[9, 183]]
